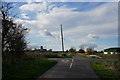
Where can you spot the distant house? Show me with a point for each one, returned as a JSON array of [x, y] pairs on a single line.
[[112, 50]]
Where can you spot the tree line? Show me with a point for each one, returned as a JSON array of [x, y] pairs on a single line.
[[89, 50]]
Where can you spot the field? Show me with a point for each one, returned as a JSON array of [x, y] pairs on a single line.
[[103, 56]]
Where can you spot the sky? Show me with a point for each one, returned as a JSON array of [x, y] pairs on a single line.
[[90, 24]]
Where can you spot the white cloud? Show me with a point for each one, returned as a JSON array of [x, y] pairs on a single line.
[[89, 45], [30, 7], [101, 21], [102, 47], [24, 16], [33, 45], [92, 36], [46, 33], [43, 7], [29, 1]]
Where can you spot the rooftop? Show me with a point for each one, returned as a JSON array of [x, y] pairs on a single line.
[[116, 49]]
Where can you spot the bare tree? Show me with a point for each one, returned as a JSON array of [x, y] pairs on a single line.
[[72, 49], [13, 34]]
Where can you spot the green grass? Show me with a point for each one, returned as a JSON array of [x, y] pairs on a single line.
[[103, 56], [27, 69], [49, 55], [108, 56], [87, 56], [66, 56], [102, 72]]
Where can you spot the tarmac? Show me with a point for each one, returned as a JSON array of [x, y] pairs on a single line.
[[76, 67]]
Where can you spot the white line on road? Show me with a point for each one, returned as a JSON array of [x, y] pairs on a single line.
[[71, 63]]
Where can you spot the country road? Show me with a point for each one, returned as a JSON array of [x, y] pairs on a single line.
[[76, 67]]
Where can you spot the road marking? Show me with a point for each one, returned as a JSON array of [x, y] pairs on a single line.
[[71, 65], [65, 61]]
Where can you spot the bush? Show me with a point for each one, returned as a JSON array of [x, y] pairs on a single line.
[[81, 51], [64, 55]]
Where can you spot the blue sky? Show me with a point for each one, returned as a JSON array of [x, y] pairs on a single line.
[[94, 24]]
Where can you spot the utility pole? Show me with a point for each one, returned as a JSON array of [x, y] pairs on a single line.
[[62, 39]]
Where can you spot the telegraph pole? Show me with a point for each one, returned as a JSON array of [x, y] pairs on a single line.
[[62, 39]]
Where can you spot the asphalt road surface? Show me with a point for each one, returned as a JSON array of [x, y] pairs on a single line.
[[76, 67]]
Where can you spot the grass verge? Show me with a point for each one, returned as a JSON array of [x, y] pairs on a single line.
[[27, 69], [108, 56], [102, 72]]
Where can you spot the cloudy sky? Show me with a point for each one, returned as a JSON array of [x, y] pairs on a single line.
[[94, 24]]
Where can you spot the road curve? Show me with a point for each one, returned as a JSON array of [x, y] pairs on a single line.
[[76, 67]]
